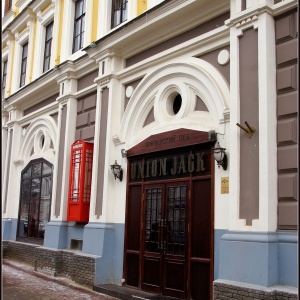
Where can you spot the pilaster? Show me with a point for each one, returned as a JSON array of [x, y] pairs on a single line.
[[4, 143], [13, 168], [257, 16], [267, 126], [31, 24], [57, 32], [67, 29], [66, 128]]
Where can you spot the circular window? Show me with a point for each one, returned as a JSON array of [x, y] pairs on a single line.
[[177, 104]]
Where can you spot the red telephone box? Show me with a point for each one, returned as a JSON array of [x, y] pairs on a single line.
[[80, 181]]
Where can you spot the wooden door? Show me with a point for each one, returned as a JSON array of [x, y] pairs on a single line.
[[164, 258], [169, 228]]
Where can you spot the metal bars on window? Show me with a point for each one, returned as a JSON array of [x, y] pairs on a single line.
[[35, 199], [176, 220], [152, 219]]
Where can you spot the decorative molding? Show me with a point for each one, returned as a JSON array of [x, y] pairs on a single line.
[[157, 89], [19, 162], [104, 80]]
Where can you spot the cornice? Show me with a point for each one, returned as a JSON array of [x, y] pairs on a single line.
[[220, 35], [34, 92], [104, 54], [26, 16], [63, 100], [75, 69], [84, 92], [49, 109], [150, 28], [250, 15], [104, 80], [40, 5]]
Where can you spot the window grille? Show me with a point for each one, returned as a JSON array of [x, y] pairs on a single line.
[[35, 199]]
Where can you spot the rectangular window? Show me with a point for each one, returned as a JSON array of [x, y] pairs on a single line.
[[118, 12], [24, 64], [8, 4], [4, 78], [79, 25], [48, 44]]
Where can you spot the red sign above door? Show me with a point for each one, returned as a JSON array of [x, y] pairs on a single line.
[[169, 140]]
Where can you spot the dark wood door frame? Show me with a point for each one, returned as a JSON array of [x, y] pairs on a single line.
[[201, 190]]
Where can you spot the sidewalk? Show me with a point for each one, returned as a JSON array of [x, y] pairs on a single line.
[[21, 282]]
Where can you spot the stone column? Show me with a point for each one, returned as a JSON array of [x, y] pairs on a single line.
[[56, 229], [12, 171]]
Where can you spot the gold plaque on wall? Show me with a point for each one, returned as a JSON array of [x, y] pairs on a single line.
[[224, 185]]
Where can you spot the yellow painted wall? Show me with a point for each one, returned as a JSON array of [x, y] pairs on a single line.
[[11, 67], [32, 53], [95, 20], [58, 49], [141, 6], [46, 7]]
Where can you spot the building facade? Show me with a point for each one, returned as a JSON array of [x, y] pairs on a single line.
[[154, 88]]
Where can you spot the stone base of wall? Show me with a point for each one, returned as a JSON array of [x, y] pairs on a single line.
[[76, 266], [227, 290]]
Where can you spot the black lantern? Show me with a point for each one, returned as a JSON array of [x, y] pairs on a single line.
[[117, 171], [220, 156]]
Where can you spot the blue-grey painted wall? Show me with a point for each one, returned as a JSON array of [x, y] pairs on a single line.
[[107, 241], [288, 264], [9, 229], [264, 259]]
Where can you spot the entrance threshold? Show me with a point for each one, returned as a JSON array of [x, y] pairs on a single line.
[[127, 293]]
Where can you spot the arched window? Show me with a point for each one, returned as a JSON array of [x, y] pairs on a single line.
[[35, 199]]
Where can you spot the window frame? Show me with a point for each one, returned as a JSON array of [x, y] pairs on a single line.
[[4, 75], [23, 66], [80, 19], [48, 45], [42, 162], [119, 6], [8, 6]]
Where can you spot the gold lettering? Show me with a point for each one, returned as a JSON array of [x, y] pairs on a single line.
[[141, 170], [181, 168], [200, 162], [154, 168], [173, 170], [163, 167], [147, 168]]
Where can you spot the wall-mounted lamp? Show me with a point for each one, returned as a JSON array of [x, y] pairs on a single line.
[[212, 136], [220, 156], [250, 131], [117, 171], [123, 153]]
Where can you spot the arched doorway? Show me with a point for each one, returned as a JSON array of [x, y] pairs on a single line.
[[35, 199], [170, 215]]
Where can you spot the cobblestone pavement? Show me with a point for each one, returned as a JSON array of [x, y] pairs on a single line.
[[21, 282]]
